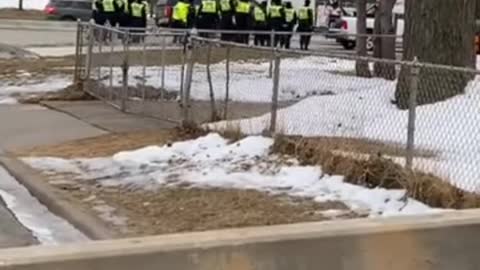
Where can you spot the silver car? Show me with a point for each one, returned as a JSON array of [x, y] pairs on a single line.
[[69, 10]]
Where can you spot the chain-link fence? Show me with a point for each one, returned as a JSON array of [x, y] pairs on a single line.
[[423, 116]]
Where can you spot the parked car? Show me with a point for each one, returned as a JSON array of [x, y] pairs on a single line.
[[69, 10], [163, 12]]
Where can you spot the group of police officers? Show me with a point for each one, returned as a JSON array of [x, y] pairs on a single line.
[[123, 13], [246, 15], [218, 14]]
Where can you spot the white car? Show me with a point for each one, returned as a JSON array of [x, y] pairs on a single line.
[[347, 33]]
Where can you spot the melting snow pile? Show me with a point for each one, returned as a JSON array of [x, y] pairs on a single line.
[[45, 226], [26, 85], [362, 108], [211, 161], [249, 80]]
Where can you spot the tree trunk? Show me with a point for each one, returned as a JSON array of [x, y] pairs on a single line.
[[384, 46], [361, 67], [440, 34], [20, 4]]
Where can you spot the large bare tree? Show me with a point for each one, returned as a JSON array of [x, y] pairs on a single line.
[[440, 32], [384, 42], [361, 67], [20, 4]]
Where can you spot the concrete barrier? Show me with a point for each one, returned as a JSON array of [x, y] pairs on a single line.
[[443, 241]]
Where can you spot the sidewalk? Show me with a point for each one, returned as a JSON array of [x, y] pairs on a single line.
[[25, 126]]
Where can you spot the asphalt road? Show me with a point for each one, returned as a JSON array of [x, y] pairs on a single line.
[[27, 34]]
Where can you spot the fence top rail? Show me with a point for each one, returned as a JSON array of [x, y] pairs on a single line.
[[192, 33], [352, 57], [154, 30]]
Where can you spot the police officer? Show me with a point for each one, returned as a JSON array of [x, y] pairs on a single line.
[[276, 18], [122, 16], [138, 16], [147, 12], [305, 24], [109, 11], [290, 21], [182, 17], [207, 16], [260, 23], [243, 18], [226, 18]]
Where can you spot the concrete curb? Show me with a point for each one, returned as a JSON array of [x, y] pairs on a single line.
[[37, 185]]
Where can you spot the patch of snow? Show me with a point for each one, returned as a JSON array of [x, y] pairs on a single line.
[[45, 226], [7, 101], [27, 4], [107, 213], [27, 86], [362, 108], [212, 161], [249, 80]]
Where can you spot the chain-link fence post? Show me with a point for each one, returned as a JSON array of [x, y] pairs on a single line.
[[164, 45], [182, 69], [100, 45], [110, 75], [144, 69], [276, 82], [412, 107], [91, 41], [78, 47], [125, 65], [272, 45], [187, 121], [227, 82]]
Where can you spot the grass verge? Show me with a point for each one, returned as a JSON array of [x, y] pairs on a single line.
[[376, 170]]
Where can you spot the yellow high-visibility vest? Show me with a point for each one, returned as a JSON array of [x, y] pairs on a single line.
[[289, 14], [108, 5], [209, 6], [120, 4], [180, 11], [137, 10], [258, 14], [225, 5], [274, 11], [147, 7], [303, 13], [242, 7]]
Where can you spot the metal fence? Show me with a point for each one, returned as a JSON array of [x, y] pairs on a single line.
[[420, 115]]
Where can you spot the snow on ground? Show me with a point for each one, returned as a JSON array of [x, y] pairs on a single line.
[[249, 80], [26, 86], [27, 4], [211, 161], [361, 108], [46, 227]]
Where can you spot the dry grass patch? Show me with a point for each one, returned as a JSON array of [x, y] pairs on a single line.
[[375, 170], [172, 210], [107, 145], [15, 14]]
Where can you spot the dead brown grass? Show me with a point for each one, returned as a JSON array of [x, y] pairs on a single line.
[[12, 13], [375, 170], [107, 145], [70, 93], [172, 210]]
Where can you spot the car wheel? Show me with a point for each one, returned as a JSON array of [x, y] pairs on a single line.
[[348, 45]]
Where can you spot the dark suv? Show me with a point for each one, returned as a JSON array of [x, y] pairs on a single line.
[[69, 10]]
